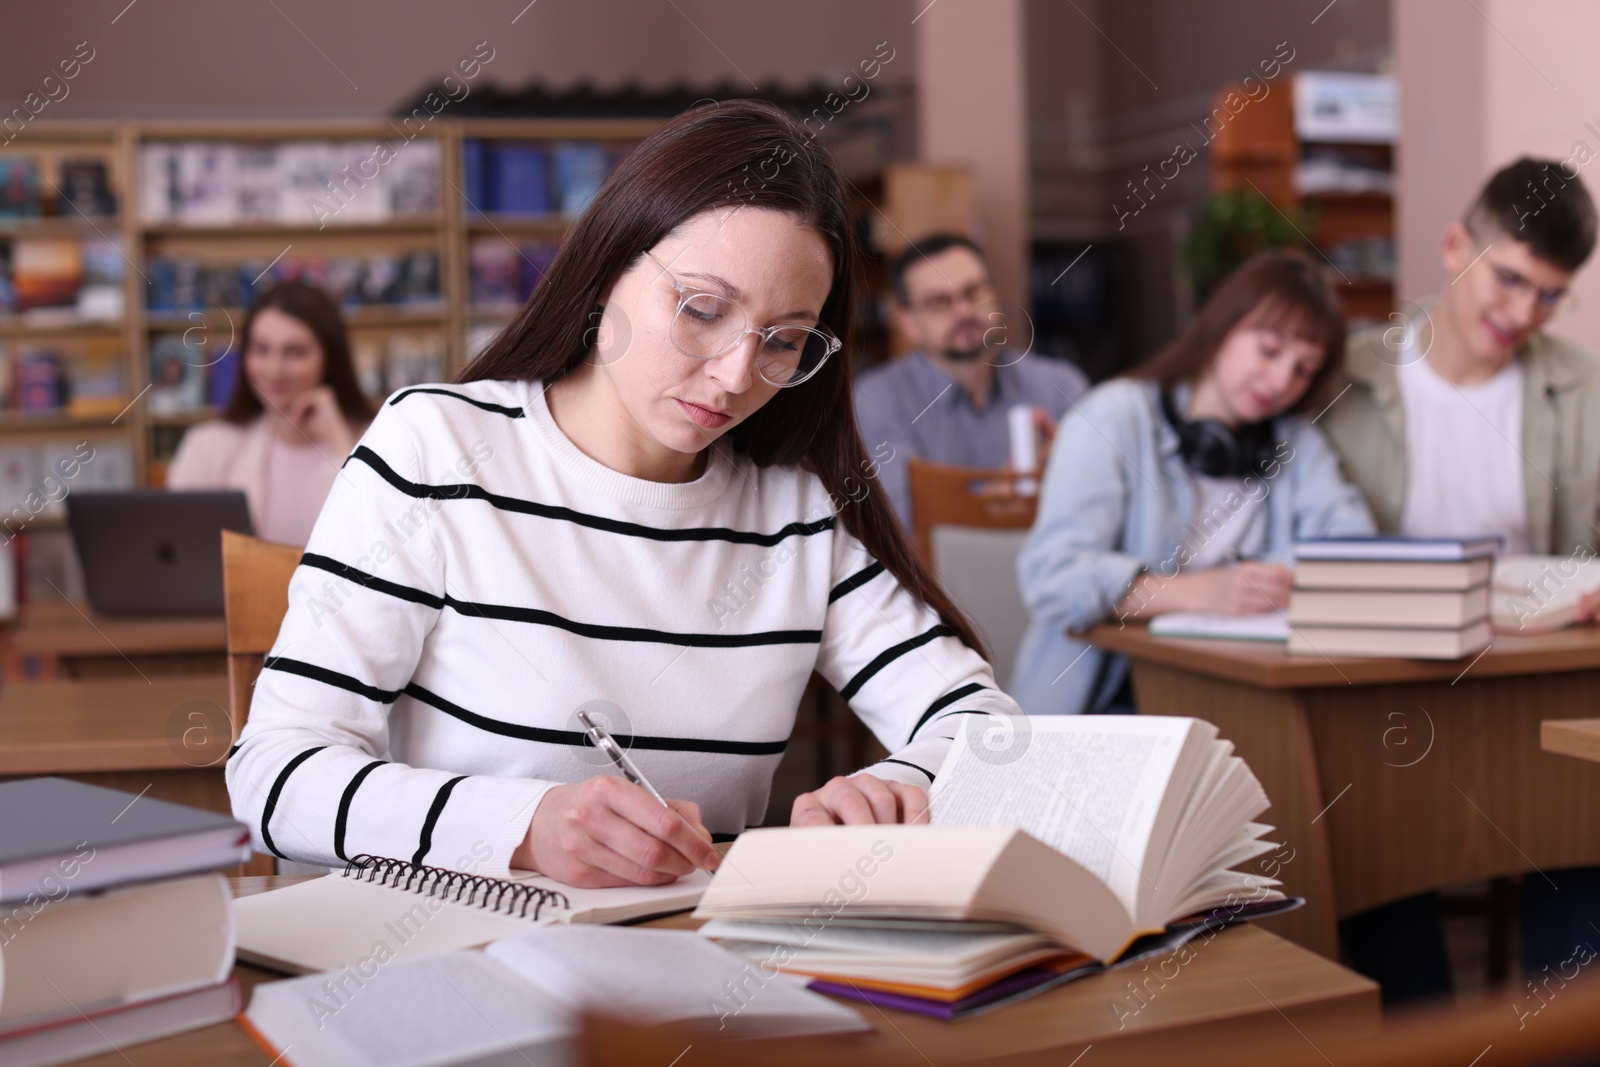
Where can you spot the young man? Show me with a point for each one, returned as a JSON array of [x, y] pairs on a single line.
[[1468, 418], [948, 401]]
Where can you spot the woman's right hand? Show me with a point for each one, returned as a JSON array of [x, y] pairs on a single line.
[[606, 831], [1246, 588]]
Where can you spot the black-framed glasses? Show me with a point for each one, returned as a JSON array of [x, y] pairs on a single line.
[[707, 325]]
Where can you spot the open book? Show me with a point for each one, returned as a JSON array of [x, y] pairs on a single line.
[[1093, 830], [518, 1001], [395, 908]]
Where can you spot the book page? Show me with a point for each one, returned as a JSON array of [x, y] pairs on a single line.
[[1090, 786], [662, 976], [446, 1009]]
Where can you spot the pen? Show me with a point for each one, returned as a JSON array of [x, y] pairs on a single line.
[[602, 739]]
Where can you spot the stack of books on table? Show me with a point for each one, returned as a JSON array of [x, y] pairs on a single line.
[[114, 928], [1424, 598], [1003, 895]]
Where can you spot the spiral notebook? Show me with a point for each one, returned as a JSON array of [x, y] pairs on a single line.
[[378, 909]]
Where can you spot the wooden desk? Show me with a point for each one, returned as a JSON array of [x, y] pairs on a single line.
[[167, 736], [1213, 992], [1391, 777], [72, 639], [1571, 737]]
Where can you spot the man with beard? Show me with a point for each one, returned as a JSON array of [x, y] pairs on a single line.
[[948, 400]]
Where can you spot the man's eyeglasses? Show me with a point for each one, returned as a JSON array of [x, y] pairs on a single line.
[[1515, 285], [943, 303], [707, 325]]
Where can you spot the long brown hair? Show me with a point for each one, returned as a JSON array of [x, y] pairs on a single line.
[[1283, 289], [321, 315], [739, 152]]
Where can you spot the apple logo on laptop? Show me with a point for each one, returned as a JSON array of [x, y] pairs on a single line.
[[165, 553]]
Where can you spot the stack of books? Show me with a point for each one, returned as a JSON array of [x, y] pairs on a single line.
[[113, 927], [1004, 895], [1423, 598]]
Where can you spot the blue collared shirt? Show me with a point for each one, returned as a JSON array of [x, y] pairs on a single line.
[[918, 410]]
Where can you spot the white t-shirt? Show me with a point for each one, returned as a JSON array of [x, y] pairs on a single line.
[[1463, 456], [1228, 524]]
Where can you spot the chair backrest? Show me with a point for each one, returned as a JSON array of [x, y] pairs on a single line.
[[978, 568], [967, 496], [255, 594]]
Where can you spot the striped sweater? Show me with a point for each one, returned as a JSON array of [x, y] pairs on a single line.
[[475, 579]]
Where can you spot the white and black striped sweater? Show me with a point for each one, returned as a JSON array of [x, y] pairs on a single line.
[[474, 579]]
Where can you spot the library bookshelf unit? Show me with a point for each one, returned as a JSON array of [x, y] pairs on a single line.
[[186, 261], [1353, 214]]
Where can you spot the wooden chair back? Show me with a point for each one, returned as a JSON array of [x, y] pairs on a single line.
[[255, 595], [967, 496]]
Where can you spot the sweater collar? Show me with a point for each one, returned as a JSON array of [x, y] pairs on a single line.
[[673, 495]]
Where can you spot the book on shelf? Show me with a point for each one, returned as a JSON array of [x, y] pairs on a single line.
[[393, 279], [1105, 836], [46, 272], [100, 294], [40, 381], [581, 168], [519, 179], [177, 376], [85, 189], [332, 922], [414, 178], [293, 183], [97, 385], [526, 995], [19, 186]]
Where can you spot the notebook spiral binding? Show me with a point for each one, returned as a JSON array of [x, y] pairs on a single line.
[[499, 895]]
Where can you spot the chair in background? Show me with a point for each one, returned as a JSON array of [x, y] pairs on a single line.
[[255, 596], [968, 525]]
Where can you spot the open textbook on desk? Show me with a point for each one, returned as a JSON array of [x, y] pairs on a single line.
[[1107, 835]]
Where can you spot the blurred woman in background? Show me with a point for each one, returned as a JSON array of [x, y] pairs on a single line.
[[295, 414]]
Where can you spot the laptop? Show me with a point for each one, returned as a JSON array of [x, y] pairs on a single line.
[[152, 552]]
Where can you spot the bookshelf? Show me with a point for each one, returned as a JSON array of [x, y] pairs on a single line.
[[1344, 176]]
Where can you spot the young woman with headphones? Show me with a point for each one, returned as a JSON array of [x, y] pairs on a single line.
[[1184, 485]]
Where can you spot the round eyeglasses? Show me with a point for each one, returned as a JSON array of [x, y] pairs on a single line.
[[707, 325]]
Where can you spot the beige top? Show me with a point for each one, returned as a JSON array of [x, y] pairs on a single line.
[[227, 455], [1559, 446]]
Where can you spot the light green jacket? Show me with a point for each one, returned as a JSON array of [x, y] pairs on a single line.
[[1560, 443]]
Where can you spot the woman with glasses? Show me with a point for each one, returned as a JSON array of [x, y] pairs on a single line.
[[646, 502]]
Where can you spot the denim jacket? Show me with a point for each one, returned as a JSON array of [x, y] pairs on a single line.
[[1116, 500]]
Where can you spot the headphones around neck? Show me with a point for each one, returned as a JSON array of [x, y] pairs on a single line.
[[1212, 448]]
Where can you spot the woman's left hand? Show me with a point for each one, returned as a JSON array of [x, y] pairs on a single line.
[[316, 414], [858, 800]]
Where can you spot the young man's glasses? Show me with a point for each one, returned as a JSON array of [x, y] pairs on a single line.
[[1514, 285], [707, 325]]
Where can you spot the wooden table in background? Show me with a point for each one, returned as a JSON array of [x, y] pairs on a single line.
[[168, 735], [70, 639], [1571, 737], [1223, 990], [1391, 777]]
